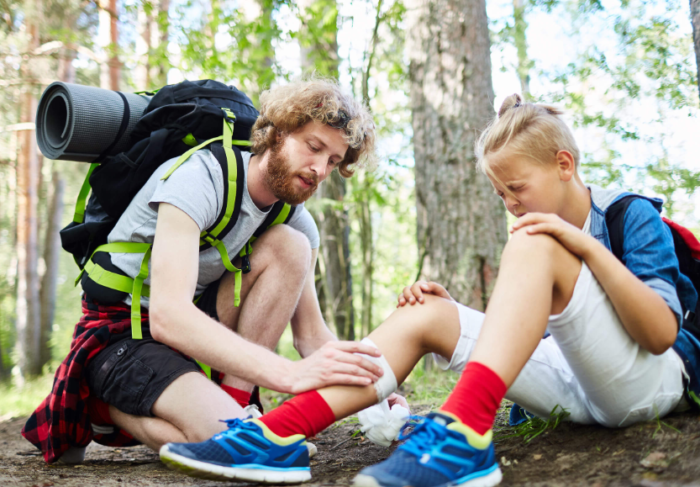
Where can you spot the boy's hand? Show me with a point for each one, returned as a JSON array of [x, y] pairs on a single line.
[[571, 237], [414, 294]]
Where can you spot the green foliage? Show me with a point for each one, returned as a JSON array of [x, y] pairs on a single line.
[[534, 426], [21, 401]]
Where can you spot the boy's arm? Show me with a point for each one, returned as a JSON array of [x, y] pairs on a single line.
[[645, 315], [309, 328], [177, 322]]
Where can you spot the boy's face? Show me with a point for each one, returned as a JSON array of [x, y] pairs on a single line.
[[525, 185], [302, 160]]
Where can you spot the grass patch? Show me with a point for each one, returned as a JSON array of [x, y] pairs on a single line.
[[22, 401], [534, 426], [429, 387]]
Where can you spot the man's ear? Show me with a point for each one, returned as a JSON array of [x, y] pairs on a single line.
[[566, 165]]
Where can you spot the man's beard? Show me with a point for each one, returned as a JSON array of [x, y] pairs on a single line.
[[282, 182]]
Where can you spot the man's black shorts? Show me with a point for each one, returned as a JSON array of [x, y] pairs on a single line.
[[132, 374]]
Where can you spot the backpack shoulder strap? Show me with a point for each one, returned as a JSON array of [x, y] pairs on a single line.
[[615, 220], [233, 195], [281, 212]]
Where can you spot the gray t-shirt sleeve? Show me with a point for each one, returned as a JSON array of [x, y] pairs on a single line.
[[194, 188], [304, 222]]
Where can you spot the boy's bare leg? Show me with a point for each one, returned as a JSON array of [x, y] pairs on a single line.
[[536, 278], [408, 334]]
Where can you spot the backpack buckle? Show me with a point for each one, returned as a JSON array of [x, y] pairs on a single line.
[[245, 267], [229, 115]]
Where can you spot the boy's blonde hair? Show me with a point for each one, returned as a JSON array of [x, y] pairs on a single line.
[[531, 130], [287, 108]]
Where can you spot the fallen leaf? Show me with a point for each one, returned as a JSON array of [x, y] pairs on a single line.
[[655, 459], [537, 456]]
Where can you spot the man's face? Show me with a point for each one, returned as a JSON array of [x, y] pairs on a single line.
[[301, 160]]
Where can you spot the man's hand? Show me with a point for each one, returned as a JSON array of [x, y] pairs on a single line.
[[414, 294], [335, 363], [571, 237]]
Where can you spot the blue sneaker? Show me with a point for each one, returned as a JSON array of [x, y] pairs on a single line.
[[247, 451], [439, 452]]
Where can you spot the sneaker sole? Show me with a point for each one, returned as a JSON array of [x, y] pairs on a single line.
[[195, 468], [492, 478]]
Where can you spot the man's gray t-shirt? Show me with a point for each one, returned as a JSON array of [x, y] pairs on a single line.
[[197, 188]]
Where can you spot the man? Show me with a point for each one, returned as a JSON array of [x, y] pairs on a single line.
[[151, 390]]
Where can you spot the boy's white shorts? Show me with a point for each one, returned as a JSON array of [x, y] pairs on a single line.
[[589, 365]]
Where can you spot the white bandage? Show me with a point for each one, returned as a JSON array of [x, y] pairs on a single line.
[[386, 385], [382, 425]]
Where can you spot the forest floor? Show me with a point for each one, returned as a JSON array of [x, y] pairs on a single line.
[[650, 454]]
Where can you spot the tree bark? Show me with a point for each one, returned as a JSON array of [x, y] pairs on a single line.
[[520, 41], [367, 247], [27, 309], [110, 71], [695, 22], [152, 45], [52, 247], [461, 225], [319, 53]]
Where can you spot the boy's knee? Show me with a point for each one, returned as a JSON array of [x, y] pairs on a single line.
[[535, 247], [427, 318]]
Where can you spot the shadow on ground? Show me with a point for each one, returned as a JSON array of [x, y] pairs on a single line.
[[649, 454]]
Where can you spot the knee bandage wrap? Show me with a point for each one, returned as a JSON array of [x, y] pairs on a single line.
[[386, 384]]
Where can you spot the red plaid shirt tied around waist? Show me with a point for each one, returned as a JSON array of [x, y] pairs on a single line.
[[62, 419]]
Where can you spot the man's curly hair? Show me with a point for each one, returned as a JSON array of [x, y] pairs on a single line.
[[287, 108]]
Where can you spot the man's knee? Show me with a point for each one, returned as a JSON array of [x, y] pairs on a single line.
[[284, 244]]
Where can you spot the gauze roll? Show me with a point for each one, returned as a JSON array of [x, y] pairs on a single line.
[[382, 425], [386, 385]]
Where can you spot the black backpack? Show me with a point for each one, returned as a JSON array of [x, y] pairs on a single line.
[[179, 120], [685, 244]]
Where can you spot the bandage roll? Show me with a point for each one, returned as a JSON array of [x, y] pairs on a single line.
[[386, 385]]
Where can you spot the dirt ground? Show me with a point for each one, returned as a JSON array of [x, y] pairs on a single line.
[[650, 454]]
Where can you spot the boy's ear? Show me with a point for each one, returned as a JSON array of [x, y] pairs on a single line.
[[566, 165]]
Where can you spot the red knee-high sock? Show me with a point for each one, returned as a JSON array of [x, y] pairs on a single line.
[[240, 396], [476, 397], [307, 414]]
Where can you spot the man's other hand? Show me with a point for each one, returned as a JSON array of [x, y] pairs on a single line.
[[335, 363]]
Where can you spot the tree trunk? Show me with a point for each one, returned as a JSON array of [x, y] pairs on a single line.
[[461, 224], [52, 247], [27, 229], [110, 71], [319, 53], [364, 203], [695, 22], [152, 45], [159, 72], [142, 73], [520, 41], [66, 71], [367, 247], [27, 223]]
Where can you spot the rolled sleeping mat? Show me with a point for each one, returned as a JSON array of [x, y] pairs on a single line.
[[85, 123]]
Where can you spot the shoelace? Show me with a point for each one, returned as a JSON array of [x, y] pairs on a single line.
[[239, 423], [425, 433]]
